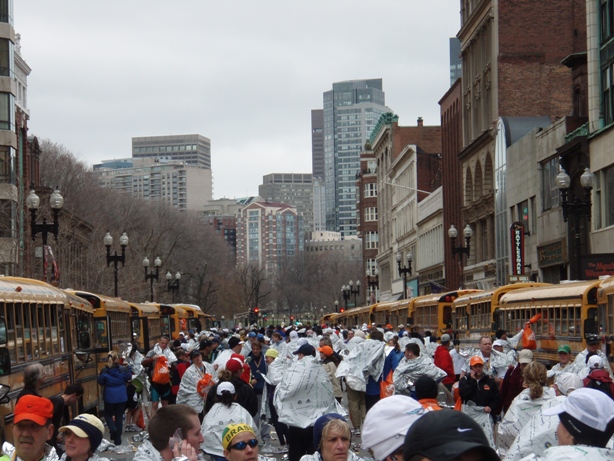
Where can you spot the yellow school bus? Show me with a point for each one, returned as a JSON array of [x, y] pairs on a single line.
[[112, 327], [604, 325], [174, 320], [197, 319], [146, 325], [568, 313], [474, 314], [433, 312], [41, 324]]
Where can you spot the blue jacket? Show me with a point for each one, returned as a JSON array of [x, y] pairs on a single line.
[[392, 361], [114, 380]]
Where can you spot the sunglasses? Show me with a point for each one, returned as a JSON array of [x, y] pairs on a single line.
[[243, 445]]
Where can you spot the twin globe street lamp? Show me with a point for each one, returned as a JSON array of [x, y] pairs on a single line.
[[56, 202], [173, 284], [461, 250], [577, 209], [153, 274], [404, 271], [115, 258], [347, 291]]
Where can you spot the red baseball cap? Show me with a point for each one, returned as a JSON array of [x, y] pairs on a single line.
[[33, 408]]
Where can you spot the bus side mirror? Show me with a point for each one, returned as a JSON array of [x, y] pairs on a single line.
[[4, 392]]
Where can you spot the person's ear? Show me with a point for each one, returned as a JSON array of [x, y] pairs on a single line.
[[226, 454], [49, 431]]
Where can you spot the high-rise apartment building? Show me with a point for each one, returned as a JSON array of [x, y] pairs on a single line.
[[268, 234], [193, 149], [185, 187], [317, 143], [295, 189], [351, 111]]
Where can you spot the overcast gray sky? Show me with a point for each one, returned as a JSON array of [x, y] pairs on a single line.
[[243, 73]]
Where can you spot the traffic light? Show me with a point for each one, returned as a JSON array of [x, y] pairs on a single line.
[[292, 318], [256, 310], [341, 309]]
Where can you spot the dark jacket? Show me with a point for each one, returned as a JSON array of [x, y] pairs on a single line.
[[114, 380], [246, 397], [258, 372], [392, 361], [511, 386], [484, 393]]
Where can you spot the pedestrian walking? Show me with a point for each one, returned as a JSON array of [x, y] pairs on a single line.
[[189, 393], [69, 397], [331, 440], [330, 363], [443, 360], [241, 444], [114, 378]]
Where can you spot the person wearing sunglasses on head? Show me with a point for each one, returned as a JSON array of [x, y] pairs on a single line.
[[241, 444]]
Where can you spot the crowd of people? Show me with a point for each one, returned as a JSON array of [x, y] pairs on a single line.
[[219, 394]]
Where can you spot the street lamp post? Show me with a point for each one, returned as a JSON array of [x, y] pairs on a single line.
[[153, 274], [56, 202], [373, 284], [347, 291], [173, 284], [577, 209], [336, 306], [461, 250], [115, 258], [405, 271]]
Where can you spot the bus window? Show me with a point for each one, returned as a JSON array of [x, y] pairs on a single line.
[[590, 324], [83, 338], [102, 339], [3, 335], [5, 362]]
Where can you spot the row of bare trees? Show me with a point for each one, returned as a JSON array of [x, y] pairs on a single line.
[[184, 243]]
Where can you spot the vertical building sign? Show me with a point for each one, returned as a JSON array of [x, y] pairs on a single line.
[[517, 231]]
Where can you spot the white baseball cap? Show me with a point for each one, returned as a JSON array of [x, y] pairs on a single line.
[[595, 362], [387, 422], [591, 407], [498, 342]]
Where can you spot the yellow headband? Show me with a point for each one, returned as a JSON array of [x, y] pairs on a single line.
[[232, 430]]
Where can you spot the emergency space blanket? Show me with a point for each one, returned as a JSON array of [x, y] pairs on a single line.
[[215, 422], [483, 419], [408, 371], [518, 415], [405, 340], [276, 370], [304, 394], [538, 434], [365, 359]]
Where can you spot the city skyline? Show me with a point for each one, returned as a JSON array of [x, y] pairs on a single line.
[[239, 75]]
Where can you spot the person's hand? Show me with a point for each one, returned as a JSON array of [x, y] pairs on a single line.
[[487, 410], [215, 367], [185, 449]]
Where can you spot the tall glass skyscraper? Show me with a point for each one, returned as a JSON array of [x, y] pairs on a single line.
[[351, 111]]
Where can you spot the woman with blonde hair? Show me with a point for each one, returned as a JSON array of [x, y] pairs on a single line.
[[114, 378], [535, 393]]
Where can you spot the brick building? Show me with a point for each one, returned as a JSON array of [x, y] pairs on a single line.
[[512, 55], [451, 141], [408, 171]]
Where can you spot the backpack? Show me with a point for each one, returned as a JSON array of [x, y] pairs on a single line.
[[600, 386]]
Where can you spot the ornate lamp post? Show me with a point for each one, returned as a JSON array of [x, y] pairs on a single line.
[[461, 250], [115, 258], [373, 284], [577, 209], [153, 274], [405, 271], [347, 291], [56, 202], [173, 284], [336, 306]]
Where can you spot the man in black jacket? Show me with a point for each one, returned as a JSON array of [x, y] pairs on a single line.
[[480, 388], [246, 397]]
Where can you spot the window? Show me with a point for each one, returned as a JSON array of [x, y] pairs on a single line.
[[6, 57], [604, 198], [371, 240], [7, 111], [370, 190], [6, 15], [550, 191], [371, 214]]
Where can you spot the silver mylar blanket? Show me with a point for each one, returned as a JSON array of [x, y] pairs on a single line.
[[366, 358], [304, 394], [408, 371]]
